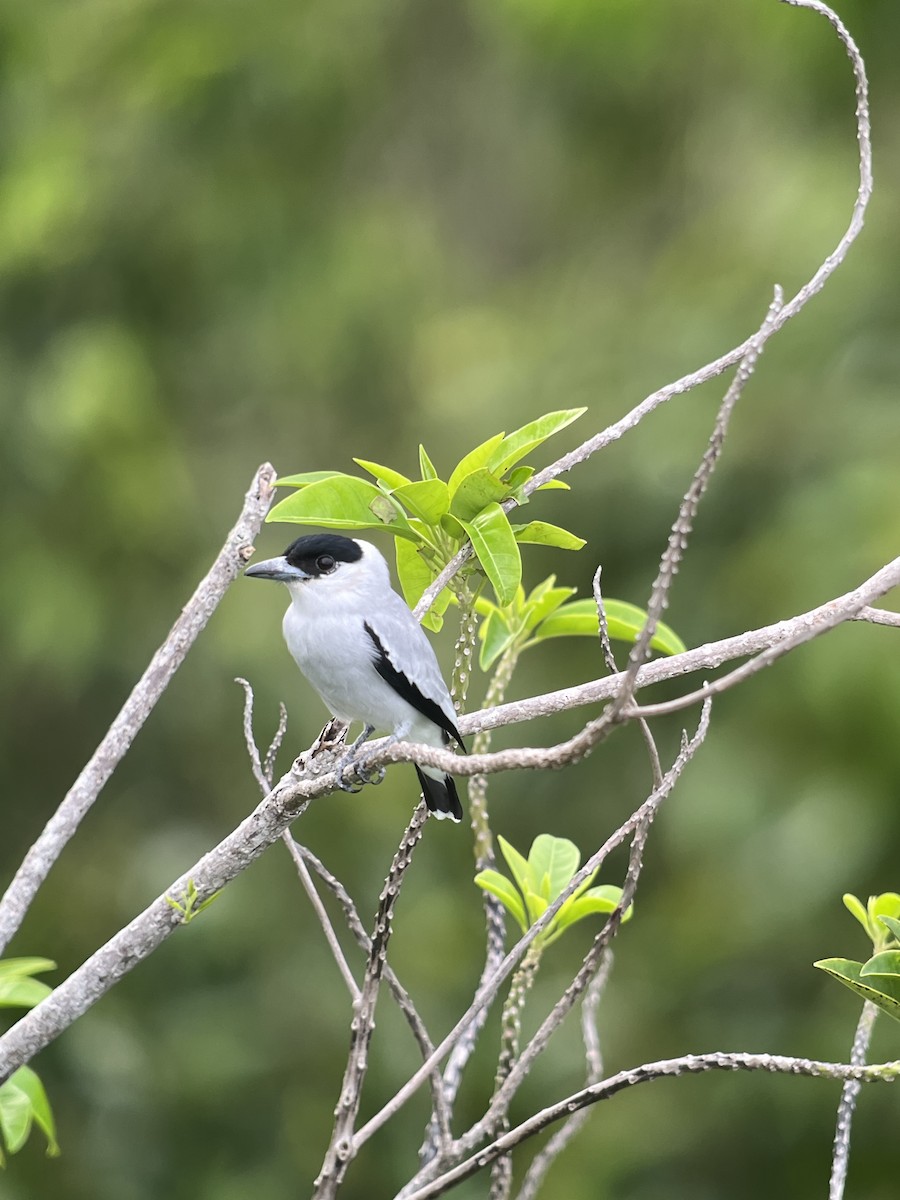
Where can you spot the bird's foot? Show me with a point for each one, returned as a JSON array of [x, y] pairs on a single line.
[[348, 768]]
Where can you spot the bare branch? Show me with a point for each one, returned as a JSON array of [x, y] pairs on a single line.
[[398, 991], [878, 616], [672, 1067], [319, 909], [826, 618], [168, 658], [612, 666], [259, 774], [542, 1161], [341, 1148], [687, 512], [486, 994], [275, 745], [852, 606], [849, 1093]]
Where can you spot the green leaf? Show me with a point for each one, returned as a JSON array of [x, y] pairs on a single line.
[[541, 533], [887, 962], [474, 493], [16, 1115], [496, 549], [426, 466], [856, 908], [25, 966], [554, 485], [475, 459], [28, 1082], [518, 478], [498, 885], [386, 475], [22, 992], [553, 862], [847, 972], [539, 607], [415, 575], [602, 899], [625, 621], [495, 637], [887, 904], [524, 440], [892, 925], [306, 478], [342, 502], [537, 906], [427, 499], [521, 872]]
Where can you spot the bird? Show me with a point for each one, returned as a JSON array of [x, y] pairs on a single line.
[[357, 642]]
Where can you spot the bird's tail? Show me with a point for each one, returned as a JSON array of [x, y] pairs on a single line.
[[440, 795]]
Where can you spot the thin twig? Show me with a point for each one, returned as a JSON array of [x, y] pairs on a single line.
[[847, 1107], [320, 911], [707, 657], [275, 744], [826, 618], [263, 777], [264, 780], [228, 563], [398, 991], [687, 512], [612, 666], [542, 1161], [341, 1147]]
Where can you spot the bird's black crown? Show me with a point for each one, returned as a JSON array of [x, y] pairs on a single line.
[[306, 551]]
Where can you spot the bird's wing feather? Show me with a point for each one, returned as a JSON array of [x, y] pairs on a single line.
[[405, 659]]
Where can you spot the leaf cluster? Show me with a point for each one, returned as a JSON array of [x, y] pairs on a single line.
[[23, 1101], [549, 612], [432, 518], [540, 879], [877, 979]]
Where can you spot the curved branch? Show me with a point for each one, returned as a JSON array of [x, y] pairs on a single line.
[[690, 1064]]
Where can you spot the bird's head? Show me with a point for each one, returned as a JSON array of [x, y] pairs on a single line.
[[326, 563]]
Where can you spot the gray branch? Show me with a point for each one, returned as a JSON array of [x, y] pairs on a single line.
[[688, 1065], [847, 1107], [229, 562]]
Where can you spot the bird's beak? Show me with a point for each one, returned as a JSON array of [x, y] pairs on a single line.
[[276, 568]]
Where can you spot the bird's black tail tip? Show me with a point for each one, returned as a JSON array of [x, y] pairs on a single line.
[[441, 796]]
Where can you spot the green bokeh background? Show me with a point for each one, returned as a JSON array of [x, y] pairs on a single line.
[[300, 231]]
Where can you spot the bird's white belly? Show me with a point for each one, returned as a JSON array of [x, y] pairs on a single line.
[[336, 655]]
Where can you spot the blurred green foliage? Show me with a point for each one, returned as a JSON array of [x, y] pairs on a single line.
[[299, 231]]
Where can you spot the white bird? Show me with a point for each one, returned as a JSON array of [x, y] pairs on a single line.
[[358, 644]]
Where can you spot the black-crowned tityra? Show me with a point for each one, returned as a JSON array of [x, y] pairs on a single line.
[[358, 644]]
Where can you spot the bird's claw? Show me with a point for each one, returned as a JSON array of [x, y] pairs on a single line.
[[350, 770]]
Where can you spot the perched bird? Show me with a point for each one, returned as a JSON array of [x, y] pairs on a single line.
[[358, 644]]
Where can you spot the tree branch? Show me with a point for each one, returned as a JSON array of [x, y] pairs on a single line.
[[672, 1067], [342, 1148], [231, 559], [849, 1094]]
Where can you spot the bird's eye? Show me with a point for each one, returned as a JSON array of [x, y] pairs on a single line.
[[325, 562]]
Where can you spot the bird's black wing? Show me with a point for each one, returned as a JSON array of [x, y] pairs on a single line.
[[404, 687]]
